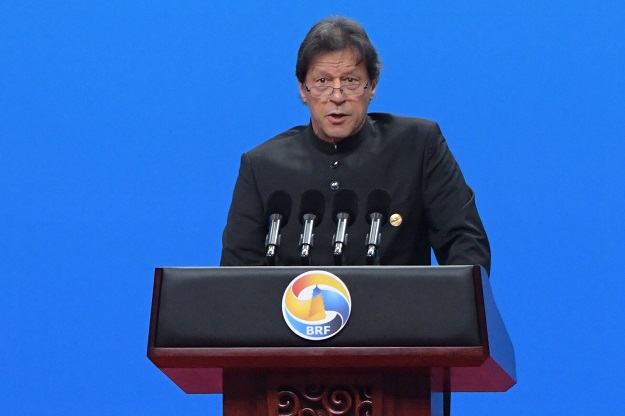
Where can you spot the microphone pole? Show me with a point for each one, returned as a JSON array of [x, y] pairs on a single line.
[[344, 211], [312, 205], [378, 207], [278, 211]]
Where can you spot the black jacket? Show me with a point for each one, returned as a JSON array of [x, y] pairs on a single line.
[[407, 157]]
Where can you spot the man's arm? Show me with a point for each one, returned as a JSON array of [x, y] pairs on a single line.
[[244, 236], [455, 228]]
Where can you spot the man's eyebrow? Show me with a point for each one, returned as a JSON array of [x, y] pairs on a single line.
[[324, 74]]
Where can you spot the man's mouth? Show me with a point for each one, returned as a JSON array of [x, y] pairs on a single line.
[[336, 116]]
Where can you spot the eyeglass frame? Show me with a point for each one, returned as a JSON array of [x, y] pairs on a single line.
[[327, 88]]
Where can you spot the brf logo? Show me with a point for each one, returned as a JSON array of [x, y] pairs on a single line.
[[316, 305]]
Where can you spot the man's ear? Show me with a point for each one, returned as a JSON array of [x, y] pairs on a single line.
[[374, 85], [302, 92]]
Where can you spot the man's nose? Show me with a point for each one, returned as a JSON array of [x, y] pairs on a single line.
[[337, 96]]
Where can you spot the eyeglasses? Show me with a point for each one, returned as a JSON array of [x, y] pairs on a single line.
[[350, 89]]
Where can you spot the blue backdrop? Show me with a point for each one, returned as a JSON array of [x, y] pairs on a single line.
[[121, 128]]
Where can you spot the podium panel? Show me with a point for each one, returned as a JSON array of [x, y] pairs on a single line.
[[413, 333]]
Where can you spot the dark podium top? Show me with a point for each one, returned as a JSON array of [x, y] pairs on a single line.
[[440, 318]]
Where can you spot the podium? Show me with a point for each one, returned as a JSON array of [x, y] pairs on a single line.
[[414, 335]]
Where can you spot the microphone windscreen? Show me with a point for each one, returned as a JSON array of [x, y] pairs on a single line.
[[279, 202], [378, 201], [312, 202], [345, 201]]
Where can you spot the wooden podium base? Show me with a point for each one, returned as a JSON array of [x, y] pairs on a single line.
[[328, 393]]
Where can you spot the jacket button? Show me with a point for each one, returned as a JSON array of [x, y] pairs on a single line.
[[334, 164], [334, 185]]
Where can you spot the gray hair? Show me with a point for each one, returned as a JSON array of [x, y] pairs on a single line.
[[334, 34]]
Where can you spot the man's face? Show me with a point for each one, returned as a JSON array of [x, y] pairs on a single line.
[[338, 116]]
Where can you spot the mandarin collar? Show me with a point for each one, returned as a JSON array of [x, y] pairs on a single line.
[[345, 145]]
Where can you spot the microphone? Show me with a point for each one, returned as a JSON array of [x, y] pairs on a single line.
[[278, 211], [311, 208], [378, 207], [344, 213]]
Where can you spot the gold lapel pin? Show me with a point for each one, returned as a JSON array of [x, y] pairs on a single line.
[[395, 220]]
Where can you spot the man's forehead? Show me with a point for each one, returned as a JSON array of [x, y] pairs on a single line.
[[343, 61]]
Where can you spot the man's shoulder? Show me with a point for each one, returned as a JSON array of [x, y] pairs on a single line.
[[394, 120], [290, 137], [402, 127]]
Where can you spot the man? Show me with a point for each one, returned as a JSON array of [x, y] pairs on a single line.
[[343, 147]]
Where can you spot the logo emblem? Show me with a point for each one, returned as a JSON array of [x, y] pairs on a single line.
[[316, 305]]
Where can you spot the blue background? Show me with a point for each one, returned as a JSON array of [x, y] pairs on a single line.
[[121, 128]]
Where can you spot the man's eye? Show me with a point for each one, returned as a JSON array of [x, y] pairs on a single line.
[[350, 80], [321, 81]]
